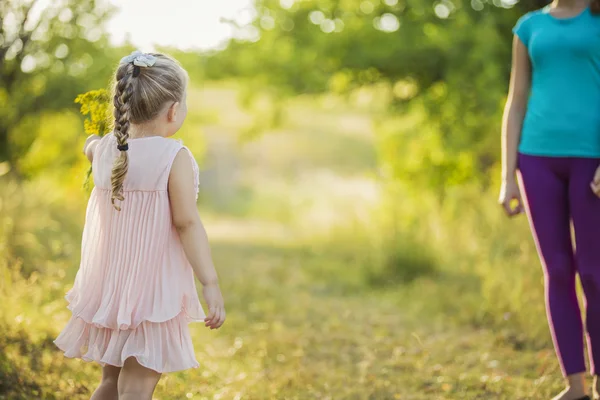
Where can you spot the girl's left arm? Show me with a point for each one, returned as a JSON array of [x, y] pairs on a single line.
[[89, 146]]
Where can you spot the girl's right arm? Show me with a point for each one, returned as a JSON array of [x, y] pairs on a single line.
[[90, 145], [514, 113], [182, 196]]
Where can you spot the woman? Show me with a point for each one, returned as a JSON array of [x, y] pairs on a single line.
[[551, 134]]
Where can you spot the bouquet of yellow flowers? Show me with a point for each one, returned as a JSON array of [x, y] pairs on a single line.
[[95, 107]]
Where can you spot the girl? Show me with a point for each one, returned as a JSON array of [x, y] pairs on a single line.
[[134, 293], [551, 132]]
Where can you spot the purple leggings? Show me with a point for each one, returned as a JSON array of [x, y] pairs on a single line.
[[557, 192]]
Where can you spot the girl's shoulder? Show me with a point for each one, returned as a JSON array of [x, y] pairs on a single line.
[[156, 148]]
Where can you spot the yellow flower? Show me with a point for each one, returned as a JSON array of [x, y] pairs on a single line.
[[95, 106]]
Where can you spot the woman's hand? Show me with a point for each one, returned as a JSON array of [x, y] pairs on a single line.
[[595, 185], [216, 308], [510, 193]]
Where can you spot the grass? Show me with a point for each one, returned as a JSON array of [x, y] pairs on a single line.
[[333, 290], [288, 337]]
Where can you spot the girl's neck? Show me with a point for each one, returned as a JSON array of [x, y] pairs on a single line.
[[145, 130]]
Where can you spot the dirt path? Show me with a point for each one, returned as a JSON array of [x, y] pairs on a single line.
[[294, 332]]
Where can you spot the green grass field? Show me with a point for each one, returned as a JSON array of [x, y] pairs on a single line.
[[323, 302]]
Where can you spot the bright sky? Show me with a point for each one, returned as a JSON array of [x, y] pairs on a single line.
[[184, 24]]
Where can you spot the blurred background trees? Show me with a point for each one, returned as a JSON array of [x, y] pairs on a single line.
[[445, 62], [48, 55], [354, 146]]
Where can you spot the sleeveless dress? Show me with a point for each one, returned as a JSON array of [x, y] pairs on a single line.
[[134, 293]]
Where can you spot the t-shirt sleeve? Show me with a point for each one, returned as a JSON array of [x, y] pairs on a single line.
[[522, 29]]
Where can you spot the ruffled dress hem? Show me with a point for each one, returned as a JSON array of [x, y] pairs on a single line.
[[162, 347], [137, 359]]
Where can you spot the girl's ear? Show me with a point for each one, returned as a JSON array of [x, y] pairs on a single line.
[[172, 112]]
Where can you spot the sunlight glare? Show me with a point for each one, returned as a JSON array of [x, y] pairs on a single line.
[[184, 24]]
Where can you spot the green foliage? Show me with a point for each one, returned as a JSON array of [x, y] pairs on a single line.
[[46, 59], [39, 246], [445, 63], [404, 261], [38, 241], [193, 63], [54, 152]]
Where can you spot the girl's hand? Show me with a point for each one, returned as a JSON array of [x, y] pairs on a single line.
[[88, 147], [595, 185], [510, 193], [216, 308], [89, 140]]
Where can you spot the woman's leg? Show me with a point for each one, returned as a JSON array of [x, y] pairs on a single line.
[[545, 183], [108, 387], [136, 382], [585, 209]]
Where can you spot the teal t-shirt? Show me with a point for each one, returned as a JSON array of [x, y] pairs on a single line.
[[563, 111]]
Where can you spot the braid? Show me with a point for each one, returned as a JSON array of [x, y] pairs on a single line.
[[595, 6], [144, 84], [123, 93]]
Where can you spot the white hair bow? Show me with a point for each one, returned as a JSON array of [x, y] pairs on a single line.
[[139, 59]]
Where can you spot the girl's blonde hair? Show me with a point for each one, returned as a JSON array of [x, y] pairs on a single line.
[[140, 94]]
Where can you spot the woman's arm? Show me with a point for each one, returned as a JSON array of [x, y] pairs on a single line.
[[182, 196], [515, 109]]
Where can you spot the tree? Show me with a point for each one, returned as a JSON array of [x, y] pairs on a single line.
[[447, 61], [48, 55]]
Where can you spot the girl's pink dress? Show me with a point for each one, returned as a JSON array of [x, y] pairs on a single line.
[[134, 293]]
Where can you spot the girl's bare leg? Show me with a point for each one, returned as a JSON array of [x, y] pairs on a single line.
[[136, 382], [108, 386]]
